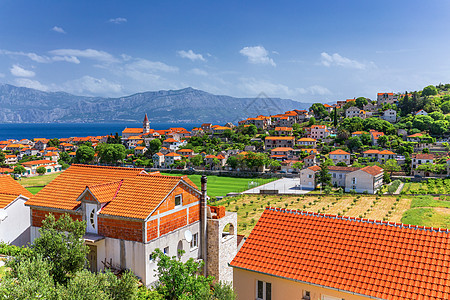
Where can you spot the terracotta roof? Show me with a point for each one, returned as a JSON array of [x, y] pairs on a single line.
[[423, 156], [210, 156], [186, 150], [139, 148], [340, 168], [280, 138], [170, 140], [133, 130], [10, 190], [386, 152], [37, 162], [372, 151], [281, 149], [105, 192], [307, 140], [318, 126], [415, 135], [359, 132], [220, 156], [378, 259], [283, 129], [172, 154], [314, 168], [379, 94], [63, 191], [312, 156], [373, 170], [339, 151]]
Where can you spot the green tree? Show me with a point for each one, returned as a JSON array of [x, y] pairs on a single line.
[[349, 104], [233, 162], [197, 160], [429, 91], [84, 154], [445, 107], [2, 157], [19, 170], [335, 117], [298, 165], [53, 143], [354, 143], [178, 280], [111, 153], [324, 176], [274, 164], [360, 102], [61, 242], [319, 110], [64, 157], [390, 166], [154, 146], [41, 170], [311, 121], [255, 160]]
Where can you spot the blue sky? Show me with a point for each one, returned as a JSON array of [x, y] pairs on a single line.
[[303, 50]]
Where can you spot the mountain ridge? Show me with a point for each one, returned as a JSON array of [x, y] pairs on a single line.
[[188, 105]]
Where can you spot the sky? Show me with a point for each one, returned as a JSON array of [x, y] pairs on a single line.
[[309, 51]]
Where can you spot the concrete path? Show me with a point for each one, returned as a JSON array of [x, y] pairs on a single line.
[[399, 189], [283, 185]]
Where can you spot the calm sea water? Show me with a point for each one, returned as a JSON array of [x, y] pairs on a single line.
[[64, 130]]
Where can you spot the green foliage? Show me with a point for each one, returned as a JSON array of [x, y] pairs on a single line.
[[178, 280], [11, 250], [319, 110], [114, 139], [354, 143], [154, 146], [111, 153], [394, 186], [84, 154], [324, 177], [61, 242], [19, 170], [41, 170], [197, 160], [360, 102], [53, 143], [429, 91]]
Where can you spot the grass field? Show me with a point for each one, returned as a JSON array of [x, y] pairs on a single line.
[[250, 207], [428, 211], [220, 186], [38, 180], [432, 186], [35, 189]]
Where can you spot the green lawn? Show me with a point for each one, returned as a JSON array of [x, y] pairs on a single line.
[[38, 180], [220, 186], [34, 190], [428, 211]]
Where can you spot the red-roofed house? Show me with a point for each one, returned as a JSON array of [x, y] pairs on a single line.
[[386, 98], [307, 142], [14, 215], [366, 180], [319, 132], [271, 142], [374, 136], [130, 213], [308, 178], [283, 130], [340, 156], [294, 254]]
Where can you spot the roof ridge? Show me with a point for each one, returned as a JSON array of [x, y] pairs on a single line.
[[107, 167], [103, 183], [355, 219]]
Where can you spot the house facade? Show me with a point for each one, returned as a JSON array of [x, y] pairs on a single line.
[[271, 142], [366, 180], [130, 213], [14, 215], [319, 132], [340, 156], [293, 254], [308, 178]]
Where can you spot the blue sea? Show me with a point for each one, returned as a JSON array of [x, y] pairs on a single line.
[[65, 130]]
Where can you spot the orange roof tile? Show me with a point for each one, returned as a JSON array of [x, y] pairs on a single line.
[[423, 156], [170, 140], [172, 154], [372, 151], [339, 151], [378, 259], [10, 190], [280, 138], [387, 152], [359, 132], [63, 191], [105, 192], [283, 128], [307, 140], [314, 168], [133, 130], [373, 170], [281, 149], [37, 162]]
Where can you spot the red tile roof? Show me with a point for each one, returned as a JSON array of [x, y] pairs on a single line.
[[378, 259], [372, 151], [133, 130], [373, 170], [339, 151], [423, 156], [10, 190], [314, 168], [280, 138]]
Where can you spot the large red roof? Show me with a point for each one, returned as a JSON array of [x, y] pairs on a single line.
[[379, 259]]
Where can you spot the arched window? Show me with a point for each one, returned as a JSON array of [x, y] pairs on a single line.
[[179, 249], [228, 231]]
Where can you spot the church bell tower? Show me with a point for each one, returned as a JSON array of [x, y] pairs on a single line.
[[146, 127]]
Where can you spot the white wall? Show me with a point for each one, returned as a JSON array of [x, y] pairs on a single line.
[[15, 229]]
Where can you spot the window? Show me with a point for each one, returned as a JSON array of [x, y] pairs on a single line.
[[309, 176], [92, 218], [263, 290], [178, 200], [194, 242], [166, 250], [306, 295], [354, 180]]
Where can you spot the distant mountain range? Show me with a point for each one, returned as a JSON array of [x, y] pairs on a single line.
[[24, 105]]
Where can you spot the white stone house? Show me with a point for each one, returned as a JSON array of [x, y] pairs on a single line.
[[338, 175], [308, 178], [390, 115], [158, 160], [340, 156], [14, 215], [319, 132], [368, 179]]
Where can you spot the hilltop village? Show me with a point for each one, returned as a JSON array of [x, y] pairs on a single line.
[[295, 243]]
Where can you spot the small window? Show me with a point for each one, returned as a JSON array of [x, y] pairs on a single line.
[[307, 295], [194, 242], [178, 200], [166, 250], [263, 290]]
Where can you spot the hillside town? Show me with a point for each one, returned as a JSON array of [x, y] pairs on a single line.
[[117, 184]]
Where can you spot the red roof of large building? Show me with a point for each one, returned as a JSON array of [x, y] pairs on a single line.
[[379, 259], [10, 190]]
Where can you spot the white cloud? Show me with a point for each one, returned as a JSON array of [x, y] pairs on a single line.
[[191, 55], [71, 59], [199, 72], [118, 20], [58, 29], [30, 55], [252, 86], [87, 53], [94, 86], [21, 72], [147, 65], [32, 84], [338, 60], [257, 55]]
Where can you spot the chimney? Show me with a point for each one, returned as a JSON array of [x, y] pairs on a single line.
[[203, 222]]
